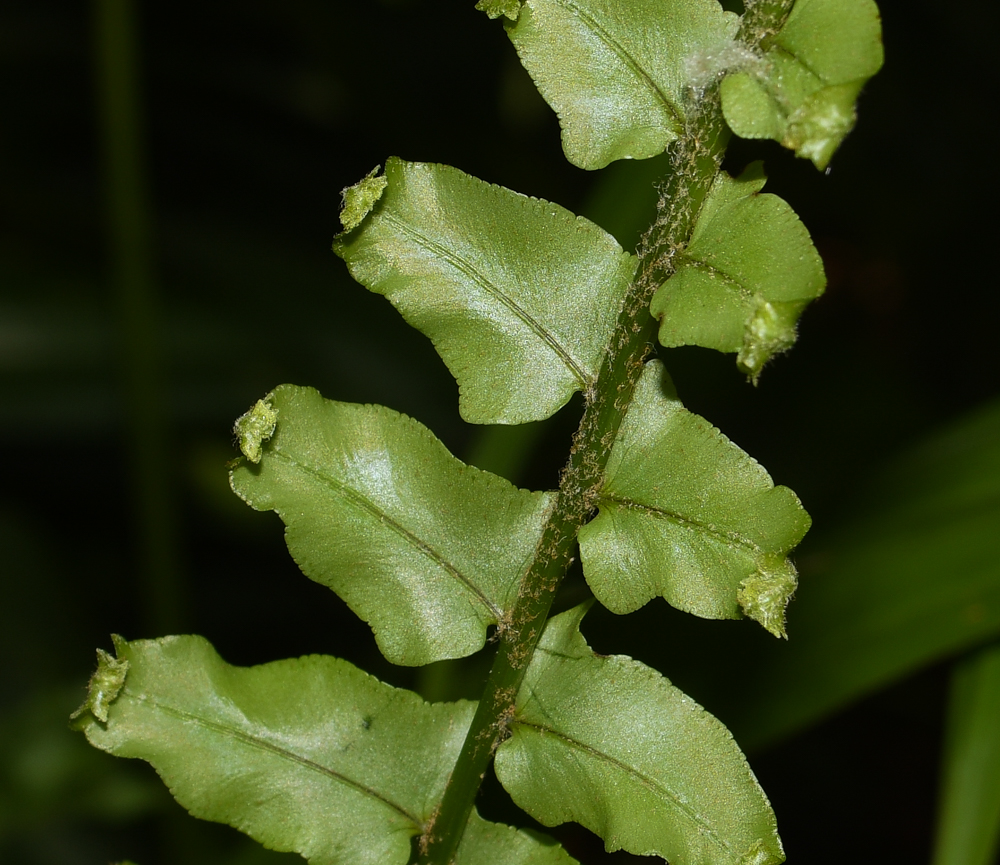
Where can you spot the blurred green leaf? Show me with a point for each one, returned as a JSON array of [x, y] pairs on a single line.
[[426, 549], [518, 295], [616, 71], [48, 775], [687, 515], [802, 92], [744, 279], [912, 576], [968, 831], [608, 742]]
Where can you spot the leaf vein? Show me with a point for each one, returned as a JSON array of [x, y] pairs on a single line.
[[730, 280], [264, 745], [778, 48], [688, 523], [492, 289], [365, 504], [623, 55], [650, 783]]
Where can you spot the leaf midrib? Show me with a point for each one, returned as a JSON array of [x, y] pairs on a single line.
[[264, 745], [650, 783], [778, 48], [624, 56], [464, 266], [365, 504], [689, 522], [712, 270]]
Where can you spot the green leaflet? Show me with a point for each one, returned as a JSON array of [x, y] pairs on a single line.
[[968, 831], [802, 92], [609, 743], [486, 843], [686, 514], [278, 750], [519, 296], [617, 71], [427, 550], [309, 755], [495, 8], [742, 282]]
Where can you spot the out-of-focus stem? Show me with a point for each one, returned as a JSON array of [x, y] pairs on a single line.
[[132, 276]]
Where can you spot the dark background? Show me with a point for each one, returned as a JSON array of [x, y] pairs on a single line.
[[255, 116]]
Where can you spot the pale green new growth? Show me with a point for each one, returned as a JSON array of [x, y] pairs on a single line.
[[495, 8], [361, 198], [803, 91], [769, 330], [105, 684], [745, 277], [254, 428], [686, 515], [766, 594], [610, 743]]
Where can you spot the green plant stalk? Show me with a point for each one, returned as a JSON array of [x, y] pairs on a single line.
[[696, 157], [132, 272]]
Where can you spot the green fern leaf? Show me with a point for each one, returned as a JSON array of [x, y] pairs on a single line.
[[519, 296], [611, 744], [802, 91], [687, 515], [617, 71], [968, 831], [427, 550], [486, 843], [309, 755], [744, 279], [278, 750]]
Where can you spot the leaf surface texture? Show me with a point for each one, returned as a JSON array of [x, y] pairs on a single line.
[[519, 296], [309, 755], [609, 743], [425, 549], [616, 71], [742, 282], [687, 515], [802, 92]]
